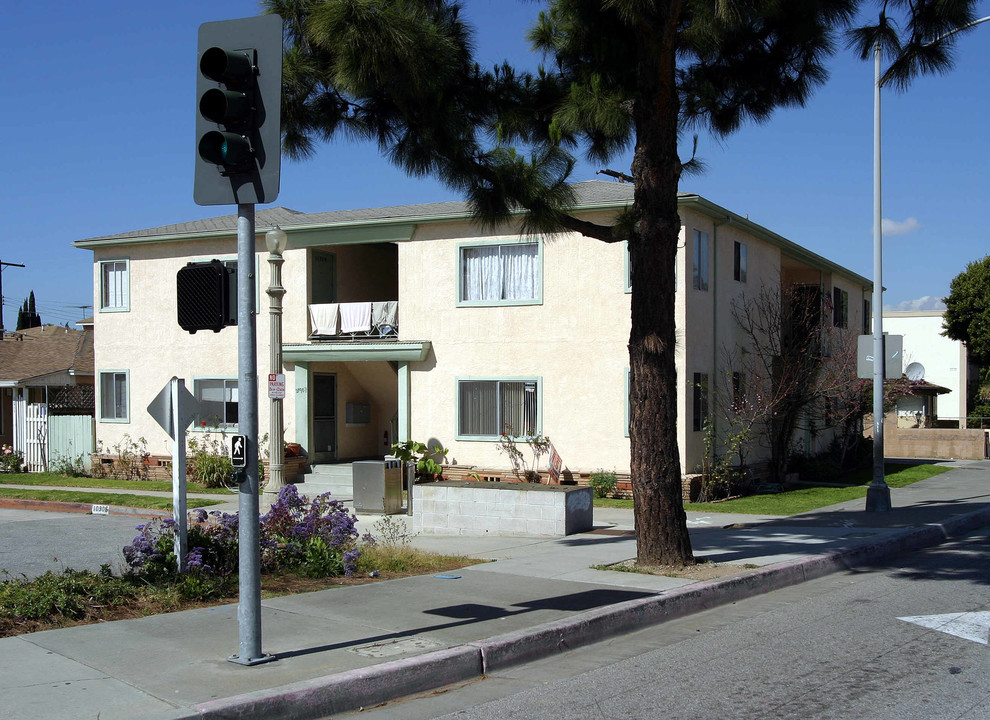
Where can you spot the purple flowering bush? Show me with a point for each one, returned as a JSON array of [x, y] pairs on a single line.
[[314, 537]]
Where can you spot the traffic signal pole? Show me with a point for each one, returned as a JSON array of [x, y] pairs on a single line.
[[248, 527]]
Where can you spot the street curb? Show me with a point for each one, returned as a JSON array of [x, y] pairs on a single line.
[[367, 687], [60, 506]]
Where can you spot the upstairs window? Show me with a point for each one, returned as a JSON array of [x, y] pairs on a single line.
[[700, 260], [840, 308], [700, 401], [114, 286], [739, 262], [502, 274]]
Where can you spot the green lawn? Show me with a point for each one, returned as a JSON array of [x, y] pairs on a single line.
[[98, 498], [805, 499], [50, 479]]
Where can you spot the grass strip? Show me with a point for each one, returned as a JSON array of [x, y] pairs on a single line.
[[806, 499], [43, 479], [96, 498]]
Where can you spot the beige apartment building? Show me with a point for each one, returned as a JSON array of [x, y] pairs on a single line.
[[411, 322]]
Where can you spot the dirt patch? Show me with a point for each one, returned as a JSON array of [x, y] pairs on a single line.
[[698, 571]]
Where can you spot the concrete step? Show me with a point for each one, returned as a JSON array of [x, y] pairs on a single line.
[[335, 479]]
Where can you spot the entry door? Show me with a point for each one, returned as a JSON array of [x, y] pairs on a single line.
[[325, 417]]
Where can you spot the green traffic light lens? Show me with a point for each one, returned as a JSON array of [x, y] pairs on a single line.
[[228, 150]]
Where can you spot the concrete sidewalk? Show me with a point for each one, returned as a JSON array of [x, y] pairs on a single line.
[[342, 649]]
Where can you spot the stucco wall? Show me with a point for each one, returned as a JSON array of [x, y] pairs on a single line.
[[944, 359]]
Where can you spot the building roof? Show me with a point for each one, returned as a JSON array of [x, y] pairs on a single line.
[[589, 195], [40, 351]]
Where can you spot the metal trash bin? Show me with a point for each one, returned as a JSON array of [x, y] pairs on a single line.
[[378, 486]]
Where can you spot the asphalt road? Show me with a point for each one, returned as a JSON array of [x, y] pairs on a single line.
[[33, 542], [832, 648]]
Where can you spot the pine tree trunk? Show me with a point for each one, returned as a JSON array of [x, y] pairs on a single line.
[[661, 524]]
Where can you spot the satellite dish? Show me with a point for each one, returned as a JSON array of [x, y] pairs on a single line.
[[915, 371]]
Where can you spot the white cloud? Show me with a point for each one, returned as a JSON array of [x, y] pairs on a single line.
[[922, 304], [892, 227]]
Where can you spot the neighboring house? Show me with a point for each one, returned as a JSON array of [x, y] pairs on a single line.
[[45, 372], [943, 362], [486, 328]]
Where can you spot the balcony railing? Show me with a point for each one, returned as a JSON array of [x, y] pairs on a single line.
[[379, 319]]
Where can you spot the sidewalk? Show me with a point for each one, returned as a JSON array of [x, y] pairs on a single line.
[[345, 648]]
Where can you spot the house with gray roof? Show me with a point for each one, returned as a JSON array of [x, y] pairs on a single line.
[[44, 371]]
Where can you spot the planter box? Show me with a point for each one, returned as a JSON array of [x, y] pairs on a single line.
[[473, 508]]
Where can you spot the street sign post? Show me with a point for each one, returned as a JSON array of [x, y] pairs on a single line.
[[174, 408]]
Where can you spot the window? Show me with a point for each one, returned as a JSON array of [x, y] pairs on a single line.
[[113, 396], [867, 320], [700, 260], [218, 402], [114, 286], [487, 408], [739, 262], [507, 274], [840, 308], [700, 400], [738, 391]]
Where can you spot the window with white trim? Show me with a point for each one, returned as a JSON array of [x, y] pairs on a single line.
[[700, 260], [114, 401], [499, 274], [488, 408], [114, 285], [218, 403]]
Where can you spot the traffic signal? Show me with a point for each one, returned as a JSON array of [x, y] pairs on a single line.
[[238, 111], [206, 296]]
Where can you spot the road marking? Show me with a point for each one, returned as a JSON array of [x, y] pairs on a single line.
[[973, 626], [700, 521]]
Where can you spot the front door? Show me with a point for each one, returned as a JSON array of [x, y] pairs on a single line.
[[324, 417]]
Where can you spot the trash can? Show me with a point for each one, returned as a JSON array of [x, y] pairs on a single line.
[[378, 486]]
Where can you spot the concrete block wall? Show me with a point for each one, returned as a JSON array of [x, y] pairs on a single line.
[[471, 508]]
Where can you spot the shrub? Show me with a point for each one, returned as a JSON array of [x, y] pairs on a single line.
[[128, 460], [69, 466], [208, 461], [314, 537], [70, 594], [603, 483], [538, 445], [11, 460]]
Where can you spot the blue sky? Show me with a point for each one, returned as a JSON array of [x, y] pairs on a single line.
[[98, 125]]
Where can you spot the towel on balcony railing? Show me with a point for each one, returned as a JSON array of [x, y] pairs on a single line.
[[325, 318], [385, 314], [355, 317]]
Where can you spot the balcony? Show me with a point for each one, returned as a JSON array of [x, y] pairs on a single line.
[[354, 321]]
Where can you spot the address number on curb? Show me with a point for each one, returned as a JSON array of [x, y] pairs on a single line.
[[101, 510]]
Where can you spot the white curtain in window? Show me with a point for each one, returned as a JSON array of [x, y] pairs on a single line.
[[490, 273], [520, 271], [115, 284], [481, 275]]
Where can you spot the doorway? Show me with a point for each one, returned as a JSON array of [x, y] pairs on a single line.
[[324, 417]]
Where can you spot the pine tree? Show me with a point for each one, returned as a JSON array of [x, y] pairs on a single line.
[[622, 73]]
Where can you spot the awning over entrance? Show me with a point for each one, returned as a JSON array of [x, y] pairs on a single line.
[[386, 351]]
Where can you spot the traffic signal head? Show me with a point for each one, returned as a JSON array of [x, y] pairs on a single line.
[[238, 90], [206, 296]]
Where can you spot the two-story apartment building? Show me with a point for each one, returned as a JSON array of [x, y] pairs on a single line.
[[412, 322]]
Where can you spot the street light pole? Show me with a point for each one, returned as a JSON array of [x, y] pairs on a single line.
[[878, 493], [276, 241]]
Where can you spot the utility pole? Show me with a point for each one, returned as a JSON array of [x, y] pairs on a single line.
[[2, 266]]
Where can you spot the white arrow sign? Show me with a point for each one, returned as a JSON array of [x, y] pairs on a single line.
[[973, 626]]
